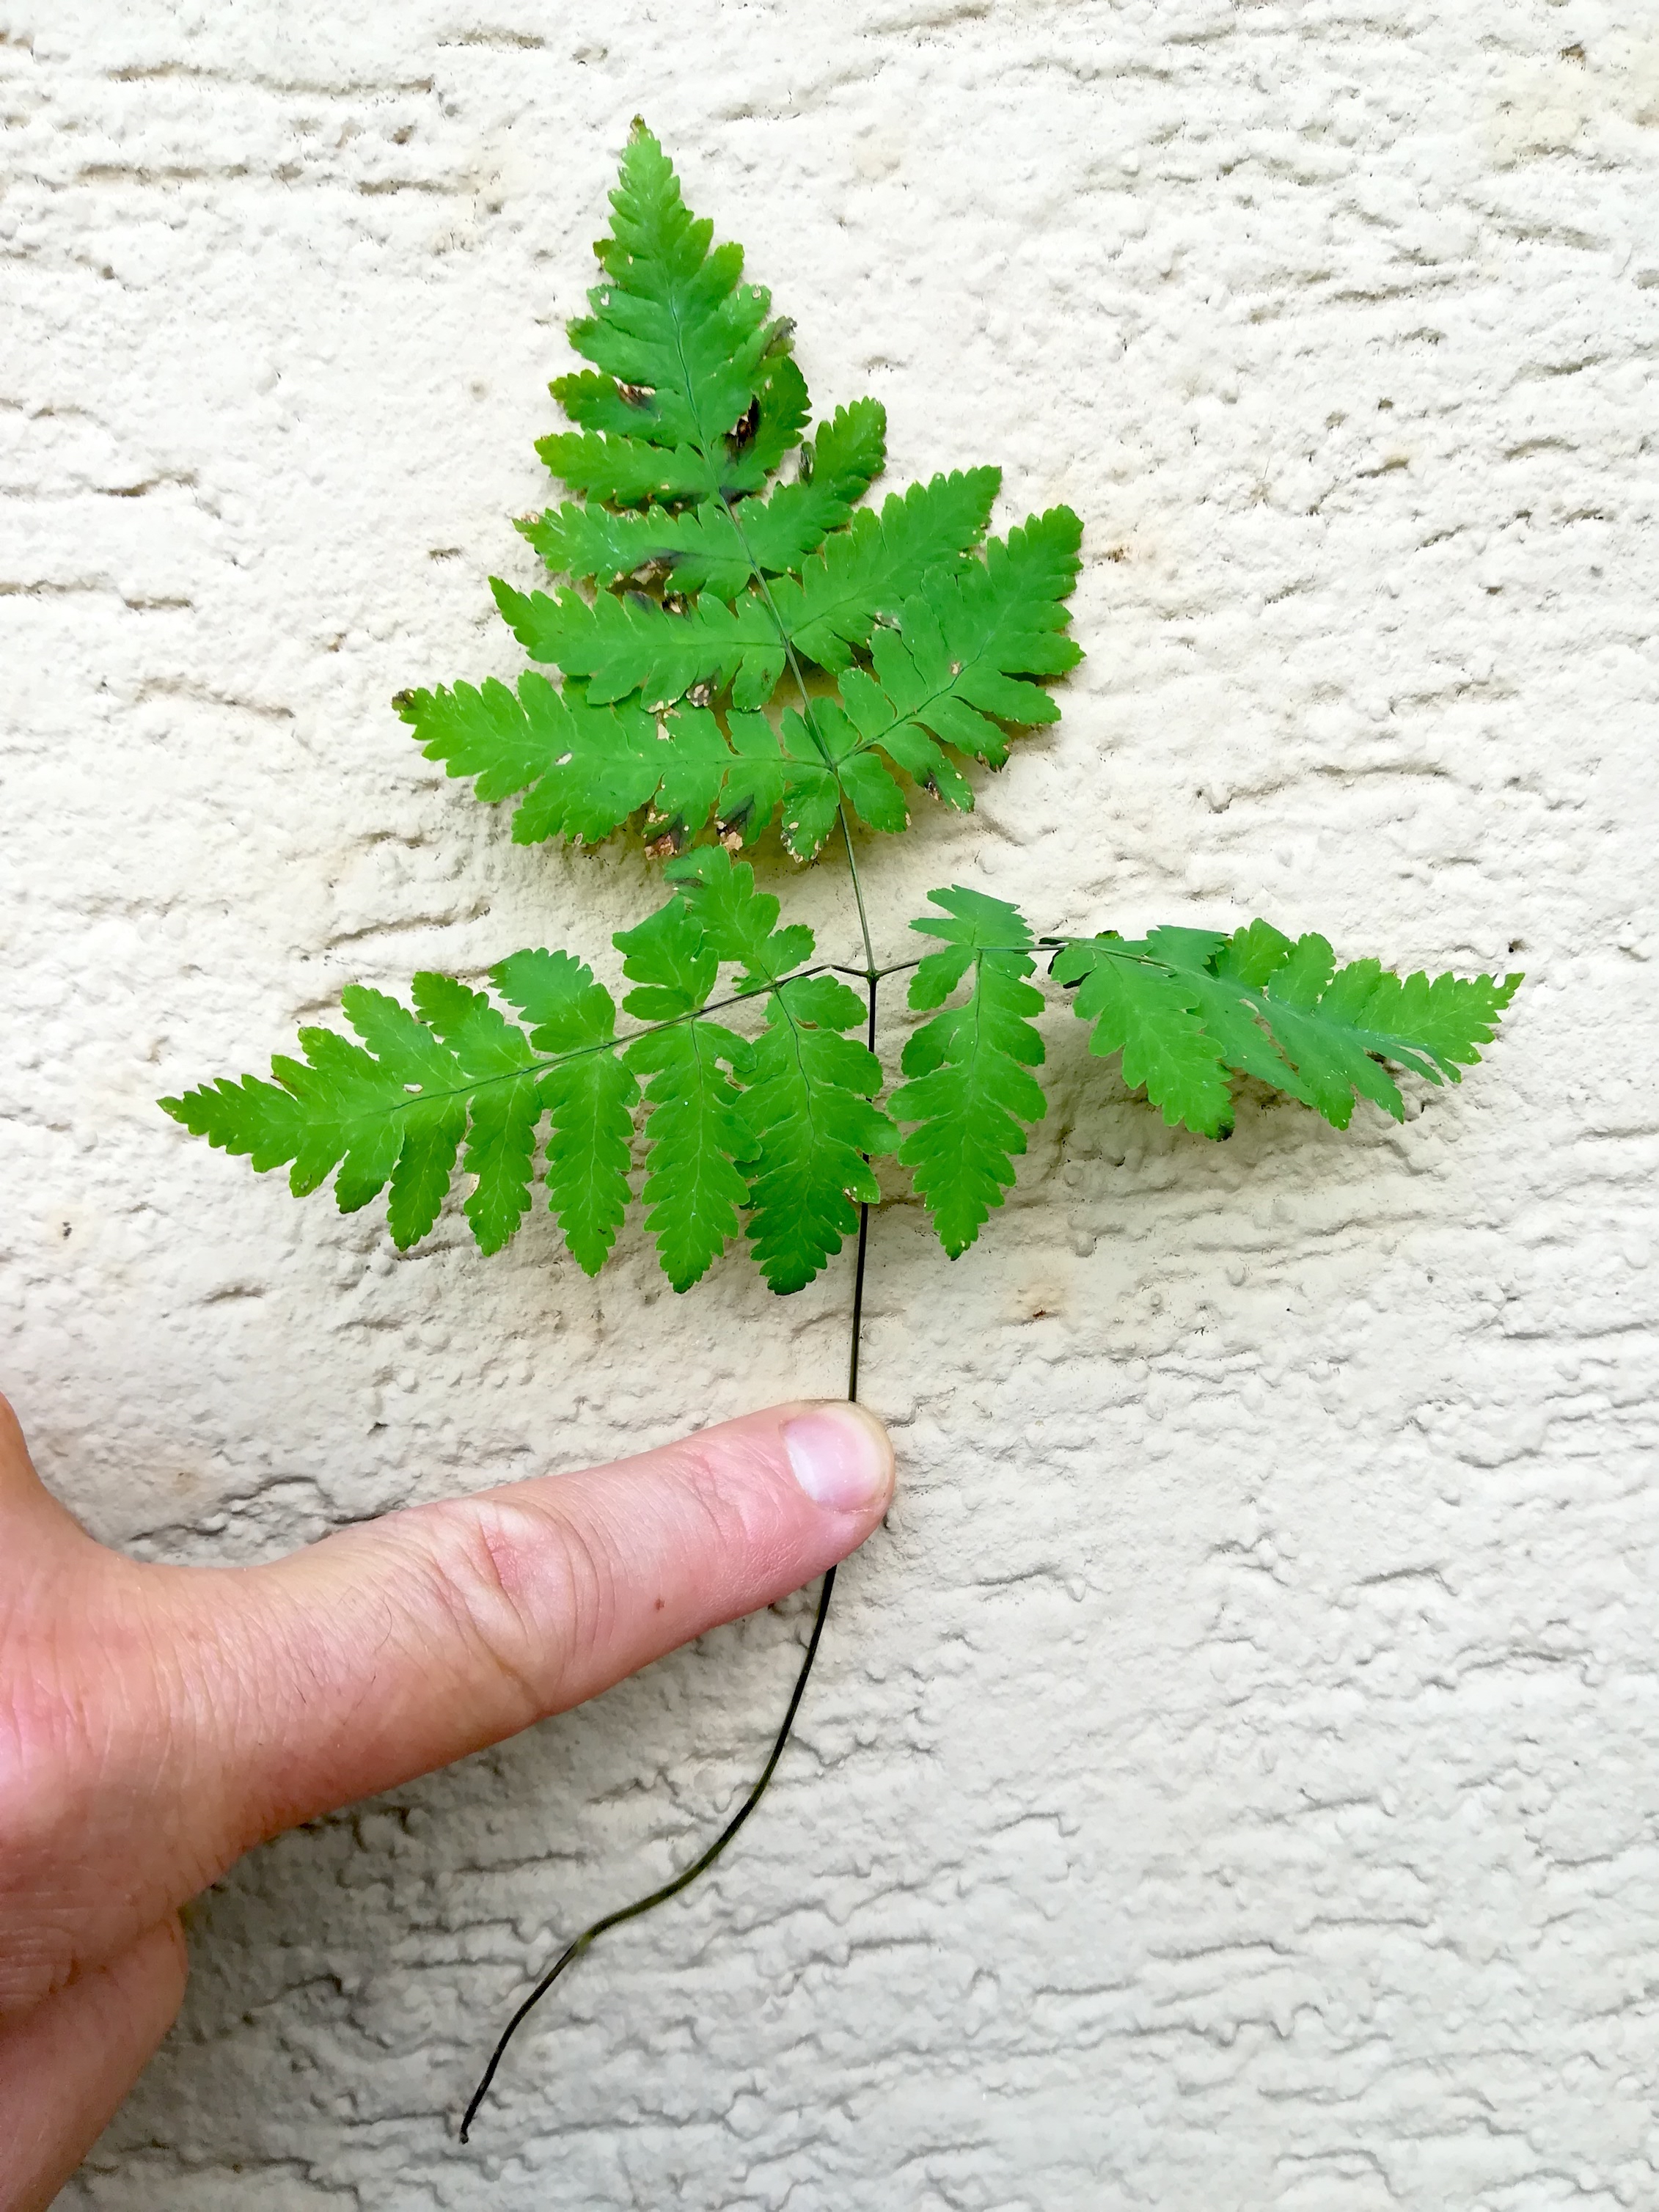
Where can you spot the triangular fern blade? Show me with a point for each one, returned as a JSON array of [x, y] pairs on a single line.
[[696, 1138], [589, 1152], [808, 1103]]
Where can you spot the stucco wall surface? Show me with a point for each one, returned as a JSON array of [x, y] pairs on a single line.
[[1233, 1781]]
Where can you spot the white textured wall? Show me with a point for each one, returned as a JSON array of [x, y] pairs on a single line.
[[1235, 1780]]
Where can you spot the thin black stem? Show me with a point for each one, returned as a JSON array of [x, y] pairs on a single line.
[[574, 1951], [856, 1333]]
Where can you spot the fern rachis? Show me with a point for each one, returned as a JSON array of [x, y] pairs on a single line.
[[735, 651]]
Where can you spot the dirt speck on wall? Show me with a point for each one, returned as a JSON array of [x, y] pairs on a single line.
[[1231, 1782]]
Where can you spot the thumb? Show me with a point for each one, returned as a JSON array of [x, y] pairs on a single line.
[[393, 1648]]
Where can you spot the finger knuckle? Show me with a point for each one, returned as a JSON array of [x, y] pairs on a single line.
[[526, 1589]]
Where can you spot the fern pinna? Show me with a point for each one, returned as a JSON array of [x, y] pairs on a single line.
[[738, 650]]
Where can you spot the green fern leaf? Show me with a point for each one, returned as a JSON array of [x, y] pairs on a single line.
[[697, 1136], [394, 1113], [691, 403], [1336, 1026], [695, 585], [504, 1115], [739, 924], [694, 394], [808, 1104], [589, 1090], [585, 768], [694, 1132], [1185, 1006], [395, 1109], [970, 1093]]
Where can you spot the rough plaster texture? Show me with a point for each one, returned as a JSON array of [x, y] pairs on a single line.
[[1234, 1781]]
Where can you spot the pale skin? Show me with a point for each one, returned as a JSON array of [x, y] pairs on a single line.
[[157, 1722]]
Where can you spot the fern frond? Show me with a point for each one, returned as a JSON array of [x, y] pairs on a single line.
[[969, 1094], [1186, 1006], [695, 587]]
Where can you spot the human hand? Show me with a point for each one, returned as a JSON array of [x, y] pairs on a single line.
[[156, 1722]]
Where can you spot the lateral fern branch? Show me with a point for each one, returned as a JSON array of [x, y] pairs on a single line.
[[732, 661]]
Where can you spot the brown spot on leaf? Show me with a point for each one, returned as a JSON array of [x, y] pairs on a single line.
[[742, 432]]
